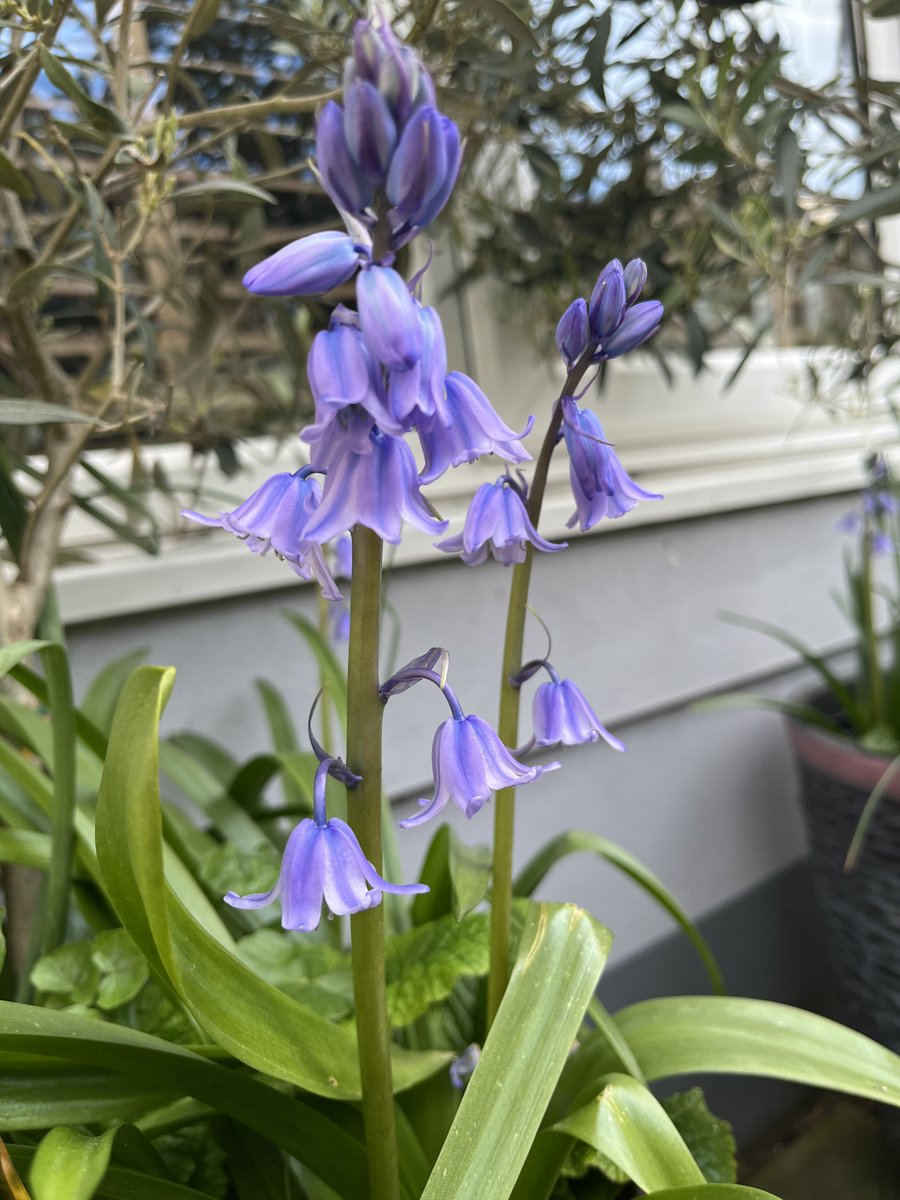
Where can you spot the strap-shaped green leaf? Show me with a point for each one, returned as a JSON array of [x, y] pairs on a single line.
[[560, 958], [254, 1021], [712, 1191], [59, 688], [311, 1130], [577, 841], [684, 1035], [629, 1126], [40, 1094]]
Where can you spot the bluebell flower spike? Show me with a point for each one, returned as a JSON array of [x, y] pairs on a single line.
[[323, 864]]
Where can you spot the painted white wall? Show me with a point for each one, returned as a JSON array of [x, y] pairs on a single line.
[[707, 801]]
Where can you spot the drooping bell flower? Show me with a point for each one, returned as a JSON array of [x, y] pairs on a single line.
[[413, 395], [323, 863], [275, 518], [388, 318], [497, 524], [377, 487], [342, 372], [307, 267], [600, 484], [465, 427], [561, 714], [470, 762]]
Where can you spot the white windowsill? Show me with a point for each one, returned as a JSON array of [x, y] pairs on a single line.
[[705, 451]]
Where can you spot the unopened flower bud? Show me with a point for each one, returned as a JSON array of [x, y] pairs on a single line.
[[307, 267], [573, 332], [340, 173], [607, 304], [635, 279], [370, 130]]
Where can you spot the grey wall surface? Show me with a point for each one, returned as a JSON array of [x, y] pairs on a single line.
[[706, 800]]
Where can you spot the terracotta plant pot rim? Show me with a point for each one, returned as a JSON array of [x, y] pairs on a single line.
[[838, 756]]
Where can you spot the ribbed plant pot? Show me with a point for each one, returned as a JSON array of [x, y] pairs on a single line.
[[861, 907]]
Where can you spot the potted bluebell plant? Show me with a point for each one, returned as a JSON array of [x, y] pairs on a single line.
[[845, 737], [306, 1085]]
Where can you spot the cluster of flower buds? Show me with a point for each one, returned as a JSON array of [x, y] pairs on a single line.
[[613, 322]]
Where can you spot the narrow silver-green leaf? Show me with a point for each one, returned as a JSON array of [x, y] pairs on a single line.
[[560, 959], [629, 1126], [38, 412]]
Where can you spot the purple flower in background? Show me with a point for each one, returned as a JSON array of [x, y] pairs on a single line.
[[308, 267], [573, 332], [600, 484], [561, 714], [376, 486], [275, 518], [388, 318], [463, 1066], [469, 762], [323, 863], [464, 427], [497, 523]]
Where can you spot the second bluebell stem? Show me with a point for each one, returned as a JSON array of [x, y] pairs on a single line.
[[365, 708], [508, 720]]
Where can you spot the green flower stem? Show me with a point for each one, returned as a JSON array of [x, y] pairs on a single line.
[[508, 721], [364, 719]]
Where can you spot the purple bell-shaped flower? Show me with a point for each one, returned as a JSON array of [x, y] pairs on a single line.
[[465, 427], [376, 486], [561, 714], [497, 524], [275, 518], [323, 863], [470, 762], [601, 485]]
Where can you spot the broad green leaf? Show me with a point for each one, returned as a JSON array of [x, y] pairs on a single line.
[[317, 975], [576, 841], [123, 968], [38, 412], [561, 955], [709, 1138], [254, 1021], [424, 964], [457, 874], [309, 1129], [43, 1093], [69, 1165], [68, 971], [686, 1035], [629, 1126], [604, 1022], [120, 1183]]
